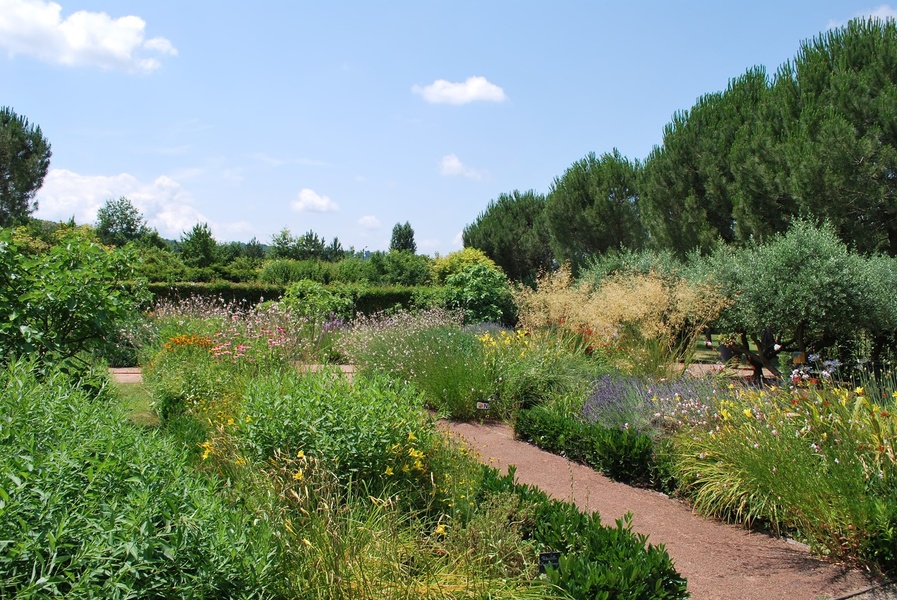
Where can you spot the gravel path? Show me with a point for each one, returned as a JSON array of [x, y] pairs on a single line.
[[720, 561]]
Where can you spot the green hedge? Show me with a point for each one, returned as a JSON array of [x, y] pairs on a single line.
[[596, 561], [624, 455], [366, 299]]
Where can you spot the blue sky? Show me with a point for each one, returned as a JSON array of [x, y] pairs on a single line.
[[349, 117]]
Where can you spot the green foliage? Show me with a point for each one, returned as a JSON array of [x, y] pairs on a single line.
[[593, 208], [355, 428], [24, 160], [818, 140], [400, 268], [309, 246], [455, 262], [807, 287], [312, 300], [63, 302], [94, 507], [597, 561], [624, 455], [159, 265], [482, 294], [119, 222], [512, 232], [687, 185], [198, 247], [402, 239], [284, 271]]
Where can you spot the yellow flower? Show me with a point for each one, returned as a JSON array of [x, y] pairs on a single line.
[[859, 391], [440, 530], [300, 455], [748, 413], [411, 436], [298, 476], [725, 414], [389, 470]]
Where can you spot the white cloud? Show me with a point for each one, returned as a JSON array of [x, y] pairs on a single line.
[[311, 201], [472, 90], [451, 166], [36, 28], [165, 204], [458, 240], [369, 222]]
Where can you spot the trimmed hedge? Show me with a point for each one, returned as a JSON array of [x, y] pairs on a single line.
[[596, 561], [366, 299], [624, 455]]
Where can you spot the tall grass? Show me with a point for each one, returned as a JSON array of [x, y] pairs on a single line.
[[469, 372], [815, 463]]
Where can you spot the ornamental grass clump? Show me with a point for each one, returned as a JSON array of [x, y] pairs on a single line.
[[645, 321], [817, 463]]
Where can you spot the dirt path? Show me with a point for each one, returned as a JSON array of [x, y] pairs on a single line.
[[720, 561]]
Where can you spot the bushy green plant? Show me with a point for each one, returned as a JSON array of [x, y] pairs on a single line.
[[624, 455], [482, 294], [371, 430], [312, 300], [64, 301], [596, 560], [285, 271], [92, 506]]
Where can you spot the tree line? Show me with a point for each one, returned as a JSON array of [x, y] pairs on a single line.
[[816, 140]]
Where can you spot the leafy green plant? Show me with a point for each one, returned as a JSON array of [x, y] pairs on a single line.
[[482, 293], [596, 560], [93, 506], [624, 455], [63, 302]]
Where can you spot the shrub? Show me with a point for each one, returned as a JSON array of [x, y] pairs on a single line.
[[624, 455], [63, 302], [482, 294], [453, 263], [596, 560], [370, 430], [285, 271]]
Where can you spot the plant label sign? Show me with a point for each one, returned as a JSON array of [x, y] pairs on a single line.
[[482, 406], [549, 559]]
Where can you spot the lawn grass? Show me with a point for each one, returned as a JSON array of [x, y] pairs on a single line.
[[137, 403]]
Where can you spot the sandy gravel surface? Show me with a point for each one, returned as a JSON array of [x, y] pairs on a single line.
[[720, 561]]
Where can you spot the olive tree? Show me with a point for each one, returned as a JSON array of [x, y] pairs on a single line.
[[802, 291]]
